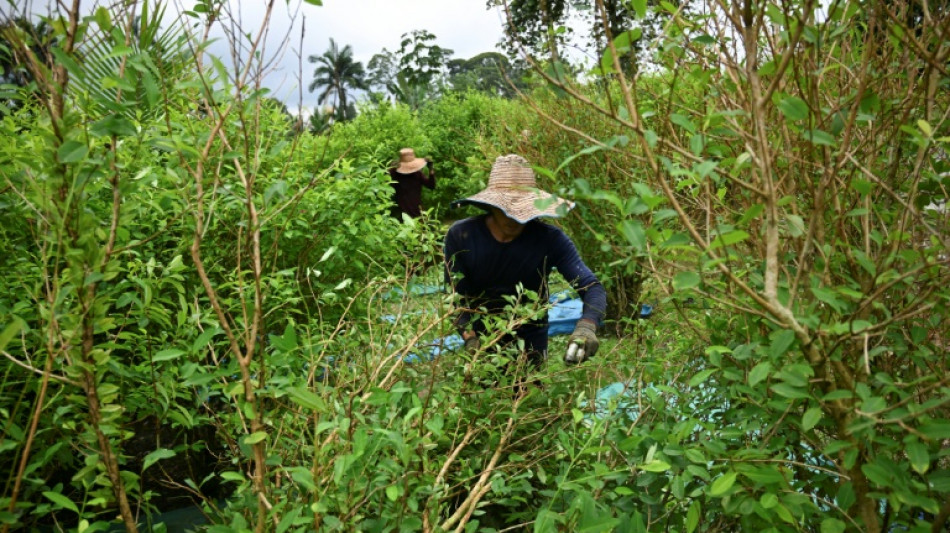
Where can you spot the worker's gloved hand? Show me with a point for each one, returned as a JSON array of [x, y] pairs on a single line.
[[472, 344], [583, 344]]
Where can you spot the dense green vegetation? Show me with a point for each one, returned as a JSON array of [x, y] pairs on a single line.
[[203, 304]]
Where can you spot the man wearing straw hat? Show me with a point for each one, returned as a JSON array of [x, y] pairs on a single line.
[[488, 257], [409, 175]]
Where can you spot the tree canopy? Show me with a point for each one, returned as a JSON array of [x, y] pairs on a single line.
[[336, 75]]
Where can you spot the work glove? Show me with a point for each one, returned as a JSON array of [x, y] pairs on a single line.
[[583, 344], [472, 344]]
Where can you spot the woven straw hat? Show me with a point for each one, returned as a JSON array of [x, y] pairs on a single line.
[[513, 189], [408, 162]]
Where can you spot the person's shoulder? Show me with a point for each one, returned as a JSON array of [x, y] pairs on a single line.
[[545, 228], [470, 221], [464, 225]]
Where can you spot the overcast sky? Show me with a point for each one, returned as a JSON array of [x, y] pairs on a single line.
[[467, 27]]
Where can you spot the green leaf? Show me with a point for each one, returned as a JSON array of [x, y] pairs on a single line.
[[938, 430], [314, 2], [640, 8], [785, 514], [692, 516], [705, 168], [303, 477], [655, 466], [832, 525], [326, 255], [392, 492], [840, 394], [233, 476], [683, 121], [622, 44], [72, 152], [168, 355], [722, 484], [728, 239], [685, 280], [255, 437], [781, 342], [113, 125], [61, 501], [305, 398], [768, 500], [701, 377], [793, 108], [925, 128], [11, 331], [788, 391], [67, 61], [633, 231], [759, 372], [752, 212], [763, 475], [819, 137], [879, 474], [289, 519], [586, 151], [829, 297], [157, 455], [811, 418], [919, 456]]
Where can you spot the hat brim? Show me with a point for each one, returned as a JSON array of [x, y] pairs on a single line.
[[413, 166], [521, 206]]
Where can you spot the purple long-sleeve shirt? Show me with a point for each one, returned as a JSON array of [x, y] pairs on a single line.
[[491, 270]]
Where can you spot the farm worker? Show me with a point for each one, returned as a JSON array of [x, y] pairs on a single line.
[[489, 256], [408, 176]]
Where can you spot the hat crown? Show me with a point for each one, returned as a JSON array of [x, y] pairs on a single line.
[[512, 188], [511, 172], [408, 162]]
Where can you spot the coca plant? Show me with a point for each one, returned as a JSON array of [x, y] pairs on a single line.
[[790, 168]]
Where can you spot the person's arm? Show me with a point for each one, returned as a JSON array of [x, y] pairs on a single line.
[[583, 343], [428, 176], [568, 262], [453, 269]]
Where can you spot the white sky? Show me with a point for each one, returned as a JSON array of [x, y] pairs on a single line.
[[467, 27]]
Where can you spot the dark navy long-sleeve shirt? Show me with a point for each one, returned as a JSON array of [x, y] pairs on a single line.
[[491, 270], [407, 190]]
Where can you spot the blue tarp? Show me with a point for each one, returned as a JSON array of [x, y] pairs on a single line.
[[562, 318], [432, 350], [414, 289]]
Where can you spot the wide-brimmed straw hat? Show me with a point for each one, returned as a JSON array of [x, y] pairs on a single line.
[[513, 189], [408, 162]]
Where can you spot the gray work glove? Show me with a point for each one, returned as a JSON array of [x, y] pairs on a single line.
[[472, 344], [583, 344]]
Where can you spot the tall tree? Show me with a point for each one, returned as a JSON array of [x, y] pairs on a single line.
[[542, 27], [488, 72], [414, 72], [336, 74], [24, 49], [422, 61]]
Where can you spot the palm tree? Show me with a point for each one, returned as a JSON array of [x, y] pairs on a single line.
[[336, 72]]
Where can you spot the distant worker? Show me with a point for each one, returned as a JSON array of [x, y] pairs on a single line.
[[489, 256], [408, 177]]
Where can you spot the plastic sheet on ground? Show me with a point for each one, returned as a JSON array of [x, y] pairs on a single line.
[[617, 399], [414, 289], [562, 317], [431, 350]]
